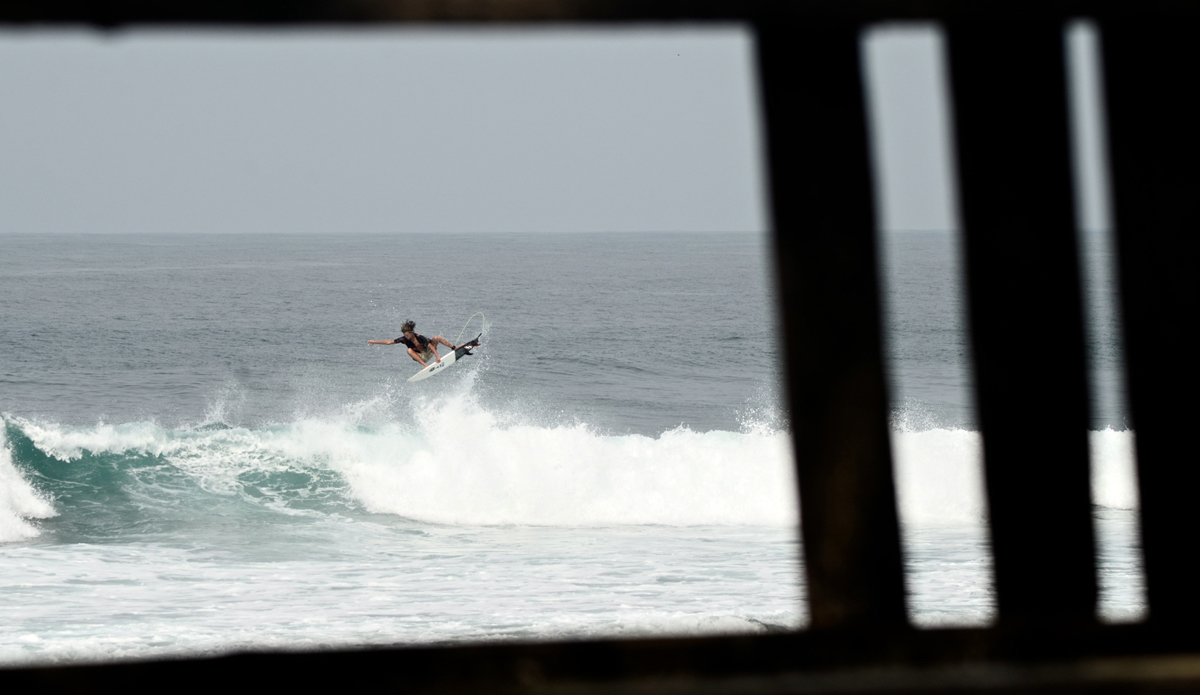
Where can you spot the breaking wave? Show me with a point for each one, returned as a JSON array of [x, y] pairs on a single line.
[[463, 466], [19, 501]]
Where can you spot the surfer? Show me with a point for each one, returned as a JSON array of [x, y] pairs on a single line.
[[420, 348]]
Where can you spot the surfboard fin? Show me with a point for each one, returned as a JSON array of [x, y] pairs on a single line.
[[465, 348]]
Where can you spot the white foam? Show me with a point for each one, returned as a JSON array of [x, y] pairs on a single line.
[[461, 465], [1114, 471], [464, 468], [69, 443], [939, 474], [19, 501]]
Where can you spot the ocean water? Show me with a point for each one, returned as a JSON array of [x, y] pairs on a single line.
[[200, 453], [937, 448]]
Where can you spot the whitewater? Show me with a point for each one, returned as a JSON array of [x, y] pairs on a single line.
[[213, 459], [464, 468], [493, 536], [459, 467], [462, 528]]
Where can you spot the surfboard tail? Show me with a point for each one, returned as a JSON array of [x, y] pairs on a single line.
[[465, 348]]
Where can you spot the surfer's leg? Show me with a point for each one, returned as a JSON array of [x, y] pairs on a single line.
[[439, 340]]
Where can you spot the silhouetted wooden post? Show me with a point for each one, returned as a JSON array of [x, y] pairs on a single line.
[[1152, 69], [1011, 126], [821, 202]]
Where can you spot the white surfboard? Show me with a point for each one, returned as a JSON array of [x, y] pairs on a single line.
[[447, 360]]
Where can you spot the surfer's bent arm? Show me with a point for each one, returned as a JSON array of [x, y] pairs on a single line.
[[381, 342]]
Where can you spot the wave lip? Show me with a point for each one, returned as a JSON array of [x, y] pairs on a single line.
[[19, 501]]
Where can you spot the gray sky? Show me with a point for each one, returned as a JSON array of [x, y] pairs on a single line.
[[378, 132], [912, 128], [908, 110], [442, 131]]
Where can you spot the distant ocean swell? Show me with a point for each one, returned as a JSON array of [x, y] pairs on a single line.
[[464, 468]]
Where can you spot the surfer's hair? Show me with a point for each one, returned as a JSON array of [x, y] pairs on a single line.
[[408, 326]]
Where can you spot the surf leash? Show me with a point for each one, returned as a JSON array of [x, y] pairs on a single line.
[[482, 319]]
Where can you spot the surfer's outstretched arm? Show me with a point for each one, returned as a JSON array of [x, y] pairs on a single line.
[[381, 342]]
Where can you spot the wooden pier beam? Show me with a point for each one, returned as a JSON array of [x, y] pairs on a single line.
[[1010, 111], [1152, 69], [824, 230]]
